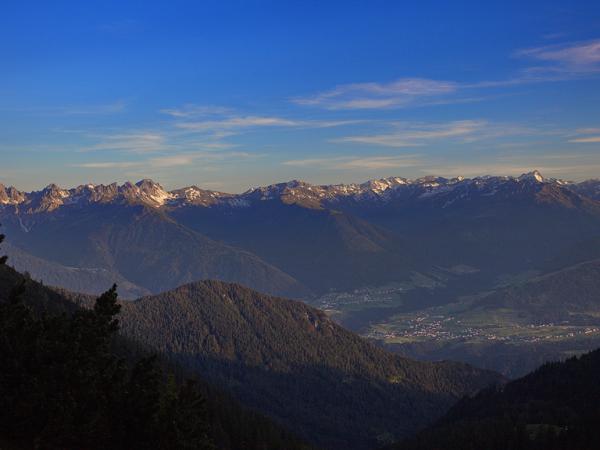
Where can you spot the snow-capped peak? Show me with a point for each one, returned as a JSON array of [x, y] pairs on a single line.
[[10, 195], [145, 191], [383, 184], [150, 193], [532, 176]]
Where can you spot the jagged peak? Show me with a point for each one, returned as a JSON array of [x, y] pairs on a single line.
[[278, 187], [149, 192], [52, 188], [152, 193], [383, 184], [196, 196], [292, 184], [534, 175], [148, 183], [296, 183], [9, 195]]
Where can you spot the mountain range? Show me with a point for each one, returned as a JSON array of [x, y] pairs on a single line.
[[299, 239], [374, 192], [372, 255]]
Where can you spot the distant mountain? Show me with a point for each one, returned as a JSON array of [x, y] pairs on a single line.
[[291, 362], [589, 188], [322, 248], [584, 249], [555, 407], [294, 238], [77, 279], [137, 243], [496, 224], [553, 296], [379, 191]]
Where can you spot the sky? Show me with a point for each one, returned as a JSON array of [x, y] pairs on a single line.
[[228, 95]]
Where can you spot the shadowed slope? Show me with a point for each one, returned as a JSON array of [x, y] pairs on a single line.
[[293, 363], [554, 407]]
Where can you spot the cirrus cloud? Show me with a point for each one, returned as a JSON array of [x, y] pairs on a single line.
[[403, 134], [398, 93], [354, 162], [574, 57]]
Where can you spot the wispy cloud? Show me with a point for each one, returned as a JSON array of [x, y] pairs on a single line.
[[572, 57], [586, 136], [184, 159], [398, 93], [194, 128], [413, 135], [586, 140], [220, 122], [134, 142], [406, 134], [233, 123], [330, 123], [191, 110], [561, 62], [588, 130], [360, 163], [108, 165], [172, 160], [162, 140], [552, 63]]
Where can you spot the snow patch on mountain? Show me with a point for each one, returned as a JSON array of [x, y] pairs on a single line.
[[150, 193]]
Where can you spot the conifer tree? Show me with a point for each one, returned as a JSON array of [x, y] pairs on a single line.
[[63, 387], [4, 257]]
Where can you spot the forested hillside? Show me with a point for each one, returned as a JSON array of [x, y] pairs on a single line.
[[555, 407], [277, 356], [69, 381], [572, 290], [290, 361]]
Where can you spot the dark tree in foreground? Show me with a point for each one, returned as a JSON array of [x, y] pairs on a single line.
[[2, 258], [62, 387], [62, 384]]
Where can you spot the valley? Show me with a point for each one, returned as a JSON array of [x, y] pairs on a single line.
[[552, 316], [409, 264]]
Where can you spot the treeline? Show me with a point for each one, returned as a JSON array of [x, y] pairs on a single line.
[[556, 407], [68, 381], [62, 387]]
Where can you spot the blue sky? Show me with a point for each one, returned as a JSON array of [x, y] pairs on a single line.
[[232, 94]]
